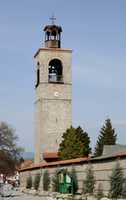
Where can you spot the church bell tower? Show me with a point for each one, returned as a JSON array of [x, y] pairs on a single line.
[[53, 87]]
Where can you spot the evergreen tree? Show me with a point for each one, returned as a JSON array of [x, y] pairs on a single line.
[[29, 182], [89, 182], [107, 137], [116, 181], [75, 144], [37, 181], [46, 180], [55, 182], [124, 189], [85, 141]]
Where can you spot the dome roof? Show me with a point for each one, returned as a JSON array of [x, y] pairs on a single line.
[[52, 27]]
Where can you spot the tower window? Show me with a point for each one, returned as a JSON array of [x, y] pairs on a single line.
[[55, 71], [47, 35], [53, 35], [38, 63], [38, 78]]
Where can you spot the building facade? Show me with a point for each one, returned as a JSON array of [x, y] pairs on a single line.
[[53, 87]]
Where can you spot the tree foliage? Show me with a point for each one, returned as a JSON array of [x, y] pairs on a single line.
[[55, 182], [10, 153], [124, 189], [75, 144], [37, 181], [107, 137], [89, 182], [46, 180], [116, 181]]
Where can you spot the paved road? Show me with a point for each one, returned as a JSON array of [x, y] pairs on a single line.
[[17, 195], [23, 197]]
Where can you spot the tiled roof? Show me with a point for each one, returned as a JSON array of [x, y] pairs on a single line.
[[74, 161], [113, 149], [120, 154], [114, 155], [26, 163], [61, 162], [50, 155]]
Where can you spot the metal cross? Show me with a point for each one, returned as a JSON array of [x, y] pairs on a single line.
[[53, 19]]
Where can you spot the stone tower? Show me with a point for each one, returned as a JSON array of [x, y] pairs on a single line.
[[53, 106]]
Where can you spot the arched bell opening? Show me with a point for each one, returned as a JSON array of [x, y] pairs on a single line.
[[51, 36], [55, 71]]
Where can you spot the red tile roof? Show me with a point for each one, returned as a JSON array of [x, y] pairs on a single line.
[[50, 155], [72, 161], [61, 162], [25, 164], [120, 154]]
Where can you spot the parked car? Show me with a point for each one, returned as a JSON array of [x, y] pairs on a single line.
[[6, 190]]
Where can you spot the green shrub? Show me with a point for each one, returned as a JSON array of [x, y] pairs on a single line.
[[37, 181], [124, 190], [46, 181], [55, 182], [116, 181], [89, 182], [29, 182]]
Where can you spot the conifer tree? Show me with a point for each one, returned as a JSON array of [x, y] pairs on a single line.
[[75, 144], [37, 181], [116, 181], [124, 189], [89, 182], [55, 182], [46, 180], [85, 140], [107, 137], [29, 182]]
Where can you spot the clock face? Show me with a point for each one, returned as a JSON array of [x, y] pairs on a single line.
[[56, 94]]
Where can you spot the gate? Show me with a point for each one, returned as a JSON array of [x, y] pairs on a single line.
[[65, 182]]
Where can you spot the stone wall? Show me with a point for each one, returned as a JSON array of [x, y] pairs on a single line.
[[102, 171]]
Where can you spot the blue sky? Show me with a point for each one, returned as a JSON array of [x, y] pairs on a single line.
[[96, 31]]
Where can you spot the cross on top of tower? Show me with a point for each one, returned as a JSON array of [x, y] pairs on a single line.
[[53, 18]]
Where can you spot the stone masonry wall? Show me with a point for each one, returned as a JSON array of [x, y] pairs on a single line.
[[53, 103], [102, 171]]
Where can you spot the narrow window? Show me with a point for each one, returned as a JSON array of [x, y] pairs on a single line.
[[38, 78]]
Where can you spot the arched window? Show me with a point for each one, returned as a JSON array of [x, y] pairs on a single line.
[[55, 71], [38, 78], [53, 35], [47, 35]]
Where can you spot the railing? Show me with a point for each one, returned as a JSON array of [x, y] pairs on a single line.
[[55, 78]]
